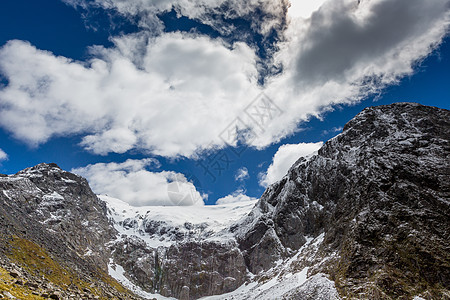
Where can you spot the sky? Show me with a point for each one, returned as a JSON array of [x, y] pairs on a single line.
[[198, 102]]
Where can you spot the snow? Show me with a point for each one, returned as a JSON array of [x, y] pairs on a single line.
[[241, 293], [277, 288], [285, 280], [317, 204], [22, 184], [88, 252], [248, 222], [118, 273], [406, 143], [33, 174], [318, 240], [53, 196], [52, 218], [219, 215], [6, 194], [317, 286], [68, 180], [282, 288], [205, 222], [11, 178]]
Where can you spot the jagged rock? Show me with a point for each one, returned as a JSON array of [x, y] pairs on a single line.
[[9, 296], [379, 192], [55, 296], [18, 282], [32, 284], [184, 294], [14, 273], [206, 268], [203, 267]]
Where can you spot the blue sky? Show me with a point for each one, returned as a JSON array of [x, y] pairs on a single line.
[[69, 29]]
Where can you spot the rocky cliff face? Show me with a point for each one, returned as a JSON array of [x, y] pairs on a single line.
[[52, 237], [64, 203], [380, 194], [193, 269], [367, 217], [181, 252]]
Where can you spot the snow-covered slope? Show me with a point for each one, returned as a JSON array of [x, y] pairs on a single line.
[[159, 228], [166, 225]]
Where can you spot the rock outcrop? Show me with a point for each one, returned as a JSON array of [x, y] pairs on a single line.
[[380, 194], [54, 230]]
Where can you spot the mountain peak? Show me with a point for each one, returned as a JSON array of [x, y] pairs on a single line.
[[41, 168], [395, 114]]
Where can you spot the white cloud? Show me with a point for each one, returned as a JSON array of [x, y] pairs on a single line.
[[3, 155], [175, 93], [146, 12], [284, 158], [303, 9], [235, 197], [131, 182], [187, 90], [347, 51], [242, 174]]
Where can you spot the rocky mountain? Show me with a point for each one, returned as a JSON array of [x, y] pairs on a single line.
[[367, 217], [379, 194], [53, 237]]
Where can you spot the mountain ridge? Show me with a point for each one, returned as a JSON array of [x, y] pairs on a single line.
[[367, 217]]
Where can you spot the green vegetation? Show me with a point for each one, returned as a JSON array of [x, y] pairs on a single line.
[[8, 284], [37, 261]]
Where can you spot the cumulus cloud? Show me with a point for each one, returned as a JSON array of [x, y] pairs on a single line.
[[3, 155], [347, 51], [349, 42], [174, 93], [235, 197], [242, 174], [284, 158], [187, 90], [131, 182]]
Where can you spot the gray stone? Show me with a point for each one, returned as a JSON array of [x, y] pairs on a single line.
[[184, 294]]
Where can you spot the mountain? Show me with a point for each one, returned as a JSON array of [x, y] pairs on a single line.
[[183, 252], [367, 217], [378, 195], [53, 236]]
